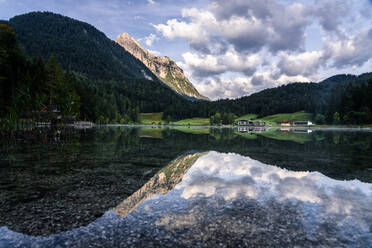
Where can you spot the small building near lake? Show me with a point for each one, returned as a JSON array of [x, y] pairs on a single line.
[[259, 123], [244, 122], [49, 115], [302, 123], [306, 131], [285, 123], [250, 123], [243, 129], [83, 124], [250, 129], [295, 123]]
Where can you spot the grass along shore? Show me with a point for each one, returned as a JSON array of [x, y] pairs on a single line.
[[271, 120]]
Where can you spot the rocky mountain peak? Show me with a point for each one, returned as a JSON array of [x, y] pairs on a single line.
[[163, 67]]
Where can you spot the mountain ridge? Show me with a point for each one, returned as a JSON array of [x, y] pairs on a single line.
[[163, 67]]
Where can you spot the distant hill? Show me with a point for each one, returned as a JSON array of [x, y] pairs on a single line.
[[163, 67], [78, 46], [293, 97]]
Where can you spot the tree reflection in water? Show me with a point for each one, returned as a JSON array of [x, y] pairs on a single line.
[[276, 192]]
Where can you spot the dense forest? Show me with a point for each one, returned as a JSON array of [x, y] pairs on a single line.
[[48, 59], [351, 105], [29, 84]]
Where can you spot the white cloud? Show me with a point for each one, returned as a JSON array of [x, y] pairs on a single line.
[[332, 13], [243, 176], [306, 63], [154, 52], [151, 2], [201, 64], [353, 50], [281, 31], [221, 87], [225, 88], [266, 41], [193, 33], [149, 40]]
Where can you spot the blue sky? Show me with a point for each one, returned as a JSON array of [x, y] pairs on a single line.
[[233, 48], [112, 17]]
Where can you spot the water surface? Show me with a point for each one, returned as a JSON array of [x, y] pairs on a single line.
[[186, 187]]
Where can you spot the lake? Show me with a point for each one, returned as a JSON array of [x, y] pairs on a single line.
[[186, 187]]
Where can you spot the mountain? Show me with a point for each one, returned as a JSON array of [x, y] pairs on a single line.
[[163, 182], [78, 46], [113, 86], [163, 67]]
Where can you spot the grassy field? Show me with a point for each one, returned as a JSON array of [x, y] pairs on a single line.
[[150, 132], [193, 130], [193, 122], [278, 135], [247, 135], [298, 116], [247, 117], [149, 118], [274, 119]]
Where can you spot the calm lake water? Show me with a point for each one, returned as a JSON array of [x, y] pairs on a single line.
[[186, 187]]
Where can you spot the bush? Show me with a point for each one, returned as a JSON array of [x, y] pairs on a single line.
[[319, 119]]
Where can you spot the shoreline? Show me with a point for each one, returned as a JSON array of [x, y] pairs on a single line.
[[323, 127], [88, 125]]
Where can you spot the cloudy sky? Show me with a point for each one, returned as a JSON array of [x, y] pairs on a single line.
[[233, 48]]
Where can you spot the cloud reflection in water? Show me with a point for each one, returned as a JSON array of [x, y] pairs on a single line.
[[321, 200], [231, 200]]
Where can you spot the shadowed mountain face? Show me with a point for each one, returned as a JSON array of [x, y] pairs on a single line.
[[166, 69]]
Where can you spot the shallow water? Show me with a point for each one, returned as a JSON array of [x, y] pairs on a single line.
[[186, 187]]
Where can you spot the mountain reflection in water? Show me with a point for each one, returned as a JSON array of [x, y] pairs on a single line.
[[225, 199]]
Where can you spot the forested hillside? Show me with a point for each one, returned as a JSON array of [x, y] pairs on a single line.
[[341, 93], [78, 46], [293, 97]]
